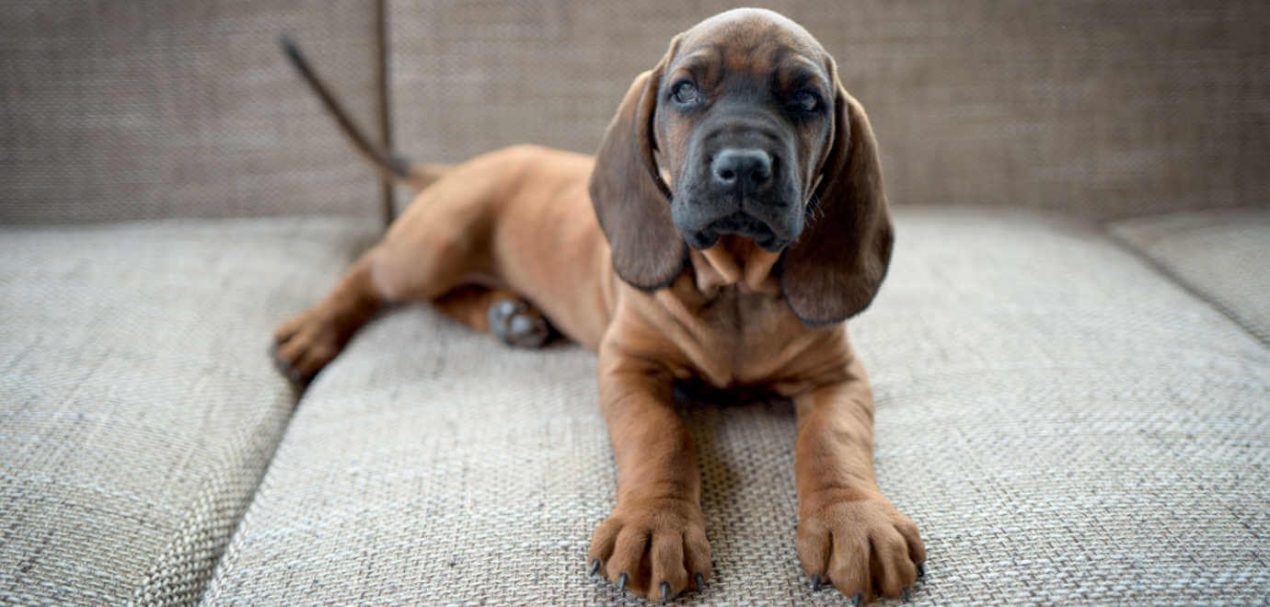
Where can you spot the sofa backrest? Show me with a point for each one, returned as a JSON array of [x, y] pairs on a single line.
[[1101, 109], [116, 109], [136, 109]]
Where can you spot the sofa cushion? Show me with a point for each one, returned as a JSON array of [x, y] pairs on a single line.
[[1221, 255], [1063, 423], [137, 405]]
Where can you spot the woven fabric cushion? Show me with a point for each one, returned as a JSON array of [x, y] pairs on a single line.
[[137, 405], [130, 109], [1222, 255], [1064, 423]]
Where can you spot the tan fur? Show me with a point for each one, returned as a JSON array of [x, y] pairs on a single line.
[[519, 223]]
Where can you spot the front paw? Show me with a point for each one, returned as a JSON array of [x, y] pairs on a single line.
[[861, 544], [654, 547]]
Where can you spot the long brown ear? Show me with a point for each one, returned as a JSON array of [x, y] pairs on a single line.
[[835, 267], [631, 200]]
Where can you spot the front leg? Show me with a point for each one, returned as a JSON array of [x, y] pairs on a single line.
[[654, 542], [849, 534]]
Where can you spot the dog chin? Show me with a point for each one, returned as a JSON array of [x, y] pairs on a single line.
[[739, 224]]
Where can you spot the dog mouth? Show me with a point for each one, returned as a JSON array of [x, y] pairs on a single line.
[[741, 224]]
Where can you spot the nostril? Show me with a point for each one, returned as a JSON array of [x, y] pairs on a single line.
[[761, 175], [727, 174]]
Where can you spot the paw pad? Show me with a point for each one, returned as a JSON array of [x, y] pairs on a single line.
[[517, 324]]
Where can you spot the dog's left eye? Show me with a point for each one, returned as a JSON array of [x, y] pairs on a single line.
[[686, 93], [805, 101]]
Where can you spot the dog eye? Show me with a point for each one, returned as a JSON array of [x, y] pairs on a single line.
[[806, 101], [686, 93]]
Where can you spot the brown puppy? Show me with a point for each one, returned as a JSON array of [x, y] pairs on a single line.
[[741, 219]]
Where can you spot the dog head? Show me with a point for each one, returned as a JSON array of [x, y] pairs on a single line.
[[745, 115]]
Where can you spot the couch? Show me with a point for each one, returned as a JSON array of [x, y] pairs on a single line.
[[1070, 356]]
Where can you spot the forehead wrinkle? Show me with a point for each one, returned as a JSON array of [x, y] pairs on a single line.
[[703, 61], [799, 68], [736, 50], [757, 58], [761, 47]]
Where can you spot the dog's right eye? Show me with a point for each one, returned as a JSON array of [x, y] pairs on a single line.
[[685, 93]]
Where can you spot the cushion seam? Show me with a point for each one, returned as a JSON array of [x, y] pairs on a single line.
[[1160, 268]]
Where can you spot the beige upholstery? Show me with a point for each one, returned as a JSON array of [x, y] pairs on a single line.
[[128, 109], [1223, 255], [1096, 109], [1065, 424], [137, 404]]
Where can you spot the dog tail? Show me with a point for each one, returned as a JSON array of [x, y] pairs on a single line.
[[388, 165]]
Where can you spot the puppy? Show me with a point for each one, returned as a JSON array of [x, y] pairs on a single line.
[[733, 218]]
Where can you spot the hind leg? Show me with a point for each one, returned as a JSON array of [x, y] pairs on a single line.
[[304, 344], [424, 255], [500, 312]]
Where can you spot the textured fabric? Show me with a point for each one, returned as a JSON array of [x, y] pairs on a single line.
[[137, 404], [1065, 425], [1104, 108], [136, 109], [1222, 255]]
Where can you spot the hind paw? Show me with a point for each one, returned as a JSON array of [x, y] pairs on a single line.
[[518, 324]]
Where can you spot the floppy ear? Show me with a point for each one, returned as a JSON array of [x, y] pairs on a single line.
[[631, 200], [837, 264]]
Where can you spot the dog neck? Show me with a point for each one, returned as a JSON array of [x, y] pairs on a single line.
[[735, 261]]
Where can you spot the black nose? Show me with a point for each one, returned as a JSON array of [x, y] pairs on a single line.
[[743, 168]]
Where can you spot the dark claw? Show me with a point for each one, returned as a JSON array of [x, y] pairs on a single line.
[[855, 601], [907, 596], [621, 583], [665, 591], [701, 582], [282, 366], [815, 583], [921, 570], [595, 567]]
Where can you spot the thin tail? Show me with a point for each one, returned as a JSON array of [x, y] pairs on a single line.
[[389, 165]]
